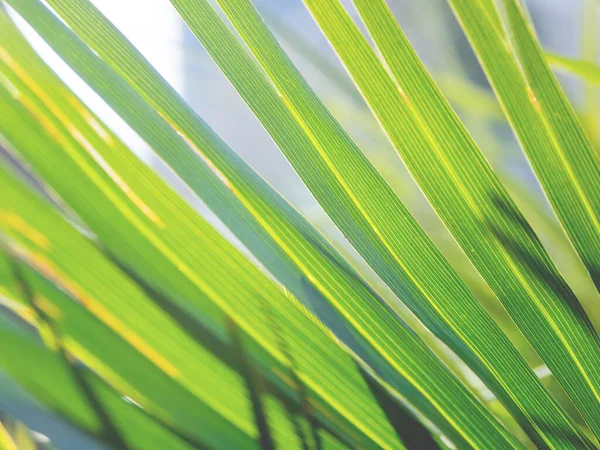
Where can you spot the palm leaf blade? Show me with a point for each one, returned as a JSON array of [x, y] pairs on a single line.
[[165, 332], [57, 388], [250, 287], [462, 187], [568, 172], [309, 112], [104, 51], [585, 69]]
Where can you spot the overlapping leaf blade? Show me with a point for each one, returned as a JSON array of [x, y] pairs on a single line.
[[95, 344], [22, 217], [220, 181], [575, 196], [59, 389], [210, 253], [233, 178], [358, 201], [465, 192], [566, 164], [211, 382], [291, 249]]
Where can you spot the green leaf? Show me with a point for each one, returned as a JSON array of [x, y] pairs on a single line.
[[49, 378], [342, 287], [584, 69], [212, 382], [465, 192], [576, 196], [360, 203], [227, 178], [111, 356], [144, 376], [568, 169], [143, 234], [279, 377]]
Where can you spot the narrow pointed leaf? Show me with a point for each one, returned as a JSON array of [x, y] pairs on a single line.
[[576, 195], [357, 199], [55, 386], [467, 195], [178, 357], [568, 169], [584, 69], [149, 230], [140, 225], [96, 345], [86, 22]]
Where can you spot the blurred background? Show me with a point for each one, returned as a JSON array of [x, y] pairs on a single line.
[[568, 28]]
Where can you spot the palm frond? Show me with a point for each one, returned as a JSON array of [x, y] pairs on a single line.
[[133, 319]]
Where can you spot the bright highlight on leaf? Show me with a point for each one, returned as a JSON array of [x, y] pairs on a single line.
[[128, 315]]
